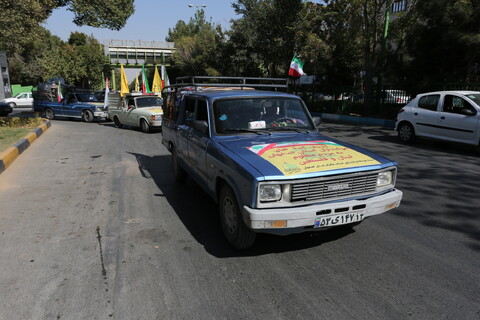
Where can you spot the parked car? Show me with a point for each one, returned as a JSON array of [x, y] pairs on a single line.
[[5, 109], [446, 115], [23, 99], [260, 156], [395, 96]]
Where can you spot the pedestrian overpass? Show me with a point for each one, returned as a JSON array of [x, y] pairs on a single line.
[[135, 53]]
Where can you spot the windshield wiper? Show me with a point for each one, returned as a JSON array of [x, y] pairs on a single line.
[[299, 130], [259, 132]]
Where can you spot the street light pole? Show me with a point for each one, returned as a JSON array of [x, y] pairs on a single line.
[[197, 5]]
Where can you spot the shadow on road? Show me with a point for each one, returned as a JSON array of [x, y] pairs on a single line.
[[440, 180], [199, 213]]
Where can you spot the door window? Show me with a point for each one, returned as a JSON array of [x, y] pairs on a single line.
[[454, 104], [429, 102]]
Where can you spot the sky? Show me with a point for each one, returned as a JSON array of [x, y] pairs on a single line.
[[150, 21]]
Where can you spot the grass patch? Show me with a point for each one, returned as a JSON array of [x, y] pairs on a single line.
[[12, 129]]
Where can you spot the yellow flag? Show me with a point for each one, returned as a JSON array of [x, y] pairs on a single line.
[[137, 84], [123, 82], [157, 82]]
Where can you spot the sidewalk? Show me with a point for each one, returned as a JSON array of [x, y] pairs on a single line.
[[389, 124], [8, 156]]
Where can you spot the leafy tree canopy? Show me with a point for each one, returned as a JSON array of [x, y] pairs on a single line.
[[19, 19]]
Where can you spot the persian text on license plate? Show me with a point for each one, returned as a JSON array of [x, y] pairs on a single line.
[[339, 219]]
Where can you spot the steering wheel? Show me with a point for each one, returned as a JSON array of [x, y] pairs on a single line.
[[286, 119]]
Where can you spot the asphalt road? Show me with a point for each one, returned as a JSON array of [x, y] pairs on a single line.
[[92, 226]]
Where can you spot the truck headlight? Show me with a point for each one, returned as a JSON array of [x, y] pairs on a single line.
[[385, 178], [270, 192]]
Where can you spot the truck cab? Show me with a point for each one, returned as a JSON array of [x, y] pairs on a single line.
[[137, 110]]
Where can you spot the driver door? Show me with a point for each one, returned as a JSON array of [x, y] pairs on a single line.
[[455, 125]]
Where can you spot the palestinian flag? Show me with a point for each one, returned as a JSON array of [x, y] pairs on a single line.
[[296, 67], [145, 87]]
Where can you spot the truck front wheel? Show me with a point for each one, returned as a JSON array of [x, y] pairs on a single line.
[[237, 233], [87, 116], [49, 114], [117, 122], [144, 126]]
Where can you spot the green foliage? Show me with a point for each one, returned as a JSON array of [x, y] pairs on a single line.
[[19, 20], [444, 43], [196, 45], [111, 14], [20, 122], [264, 36]]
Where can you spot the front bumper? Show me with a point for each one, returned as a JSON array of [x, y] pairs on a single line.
[[292, 219], [155, 123], [100, 114]]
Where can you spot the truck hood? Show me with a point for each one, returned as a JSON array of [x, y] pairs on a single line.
[[287, 156]]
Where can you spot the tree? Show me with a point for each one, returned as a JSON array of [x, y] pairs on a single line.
[[444, 43], [196, 46], [266, 33], [19, 19]]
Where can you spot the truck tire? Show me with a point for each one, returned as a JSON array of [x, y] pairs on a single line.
[[117, 122], [237, 233], [178, 172], [12, 105], [87, 116], [144, 126], [49, 114]]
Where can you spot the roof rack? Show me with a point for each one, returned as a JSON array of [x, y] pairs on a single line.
[[230, 82]]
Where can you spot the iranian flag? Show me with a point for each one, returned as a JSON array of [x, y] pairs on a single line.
[[59, 93], [296, 67], [145, 87]]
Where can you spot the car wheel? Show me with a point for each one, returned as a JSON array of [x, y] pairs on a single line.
[[12, 104], [179, 173], [406, 133], [87, 116], [237, 233], [49, 114], [117, 122], [144, 126]]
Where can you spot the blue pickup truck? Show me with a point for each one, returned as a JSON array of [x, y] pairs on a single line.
[[82, 105], [260, 156]]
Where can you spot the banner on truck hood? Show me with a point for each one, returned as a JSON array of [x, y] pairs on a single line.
[[310, 156]]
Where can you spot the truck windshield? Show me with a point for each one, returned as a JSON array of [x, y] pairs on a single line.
[[259, 113], [86, 97], [149, 102]]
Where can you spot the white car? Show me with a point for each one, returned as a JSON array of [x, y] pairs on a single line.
[[445, 115], [23, 99]]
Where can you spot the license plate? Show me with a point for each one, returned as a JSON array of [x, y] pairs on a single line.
[[339, 219]]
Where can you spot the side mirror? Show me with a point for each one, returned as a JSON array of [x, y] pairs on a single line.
[[317, 121], [131, 106], [468, 112], [201, 125]]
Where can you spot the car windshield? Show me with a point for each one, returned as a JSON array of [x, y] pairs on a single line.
[[247, 114], [86, 97], [148, 102], [475, 97]]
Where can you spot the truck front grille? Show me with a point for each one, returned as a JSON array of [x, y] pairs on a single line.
[[336, 187]]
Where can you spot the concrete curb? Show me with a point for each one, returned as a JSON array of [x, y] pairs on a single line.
[[390, 124], [8, 156]]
